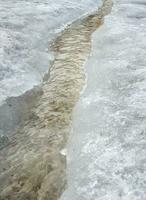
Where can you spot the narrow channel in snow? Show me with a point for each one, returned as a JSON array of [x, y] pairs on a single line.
[[33, 157], [107, 149], [26, 30]]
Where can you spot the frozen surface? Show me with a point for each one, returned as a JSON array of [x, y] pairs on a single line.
[[26, 28], [107, 150]]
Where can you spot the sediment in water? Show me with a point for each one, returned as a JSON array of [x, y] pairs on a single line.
[[33, 164]]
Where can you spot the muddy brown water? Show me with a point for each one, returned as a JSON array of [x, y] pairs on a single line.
[[33, 164]]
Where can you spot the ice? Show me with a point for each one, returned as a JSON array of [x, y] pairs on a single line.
[[107, 148], [26, 29]]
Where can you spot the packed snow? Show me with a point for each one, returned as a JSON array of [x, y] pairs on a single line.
[[107, 150]]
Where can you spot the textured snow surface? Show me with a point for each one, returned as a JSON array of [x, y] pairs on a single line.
[[107, 150], [26, 28]]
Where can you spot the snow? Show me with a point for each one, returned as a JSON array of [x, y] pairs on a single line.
[[26, 29], [107, 149]]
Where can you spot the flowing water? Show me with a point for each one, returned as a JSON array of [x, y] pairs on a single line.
[[27, 29], [33, 160], [106, 152]]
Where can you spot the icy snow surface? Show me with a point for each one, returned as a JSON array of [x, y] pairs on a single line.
[[107, 150], [26, 28]]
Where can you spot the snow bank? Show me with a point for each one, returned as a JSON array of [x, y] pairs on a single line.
[[107, 148]]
